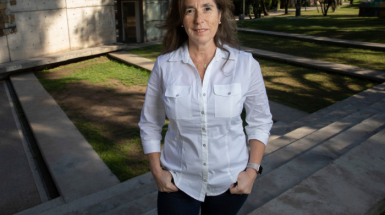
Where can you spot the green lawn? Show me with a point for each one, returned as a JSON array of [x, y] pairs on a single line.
[[302, 88], [110, 119], [338, 54], [344, 23]]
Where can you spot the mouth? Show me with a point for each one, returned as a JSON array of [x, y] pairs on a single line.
[[199, 31]]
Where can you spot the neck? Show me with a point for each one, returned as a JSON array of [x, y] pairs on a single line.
[[202, 52]]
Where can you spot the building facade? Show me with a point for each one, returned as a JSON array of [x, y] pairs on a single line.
[[137, 20]]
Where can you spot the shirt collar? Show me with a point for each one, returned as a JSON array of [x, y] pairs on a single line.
[[182, 54]]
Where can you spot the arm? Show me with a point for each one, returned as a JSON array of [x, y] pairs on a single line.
[[259, 120], [151, 121]]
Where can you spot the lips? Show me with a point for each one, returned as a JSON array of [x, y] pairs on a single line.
[[200, 30]]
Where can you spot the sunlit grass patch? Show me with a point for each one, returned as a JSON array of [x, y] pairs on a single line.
[[97, 73], [344, 23]]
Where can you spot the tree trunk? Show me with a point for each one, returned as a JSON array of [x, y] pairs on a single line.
[[286, 6], [263, 5], [351, 1]]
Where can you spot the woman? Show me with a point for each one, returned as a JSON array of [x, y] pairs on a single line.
[[202, 83]]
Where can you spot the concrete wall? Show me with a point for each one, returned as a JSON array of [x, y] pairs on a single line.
[[155, 13], [51, 26]]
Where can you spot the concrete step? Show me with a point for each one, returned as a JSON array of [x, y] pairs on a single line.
[[276, 130], [352, 184], [140, 206], [320, 119], [39, 209], [288, 175], [373, 94], [115, 196], [152, 212], [301, 144]]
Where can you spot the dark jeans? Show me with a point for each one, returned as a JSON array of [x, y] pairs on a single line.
[[179, 203]]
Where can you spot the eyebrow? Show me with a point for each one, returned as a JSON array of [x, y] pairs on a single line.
[[203, 5]]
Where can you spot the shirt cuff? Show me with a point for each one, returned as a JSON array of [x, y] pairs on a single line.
[[261, 136], [151, 146]]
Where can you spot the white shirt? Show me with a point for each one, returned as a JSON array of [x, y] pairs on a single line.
[[205, 145]]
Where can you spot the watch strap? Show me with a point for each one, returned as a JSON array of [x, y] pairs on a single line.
[[255, 166]]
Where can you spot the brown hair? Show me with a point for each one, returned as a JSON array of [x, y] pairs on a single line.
[[176, 36]]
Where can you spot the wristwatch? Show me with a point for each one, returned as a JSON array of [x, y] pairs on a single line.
[[255, 166]]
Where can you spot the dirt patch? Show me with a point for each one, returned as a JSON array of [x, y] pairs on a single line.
[[111, 108]]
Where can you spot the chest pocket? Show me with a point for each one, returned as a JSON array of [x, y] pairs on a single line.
[[178, 102], [227, 100]]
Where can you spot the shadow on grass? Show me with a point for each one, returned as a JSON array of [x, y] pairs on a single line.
[[107, 116]]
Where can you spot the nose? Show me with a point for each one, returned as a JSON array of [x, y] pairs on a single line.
[[199, 17]]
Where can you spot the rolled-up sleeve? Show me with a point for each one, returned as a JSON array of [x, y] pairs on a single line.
[[258, 116], [153, 114]]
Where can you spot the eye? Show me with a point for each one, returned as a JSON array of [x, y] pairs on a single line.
[[189, 11], [208, 9]]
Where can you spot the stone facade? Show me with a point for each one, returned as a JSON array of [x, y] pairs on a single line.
[[52, 26]]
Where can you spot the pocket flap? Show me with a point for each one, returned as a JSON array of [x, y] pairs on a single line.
[[227, 90], [177, 91]]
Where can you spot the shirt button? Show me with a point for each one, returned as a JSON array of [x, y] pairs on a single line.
[[204, 94], [204, 145], [177, 95], [203, 129], [205, 180], [202, 112], [204, 164], [229, 93]]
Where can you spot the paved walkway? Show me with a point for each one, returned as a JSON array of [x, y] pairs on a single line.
[[280, 112], [375, 75], [18, 190], [365, 45]]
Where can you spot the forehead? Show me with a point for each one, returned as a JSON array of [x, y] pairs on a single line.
[[198, 3]]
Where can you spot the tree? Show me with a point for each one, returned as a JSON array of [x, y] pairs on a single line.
[[286, 6], [326, 4]]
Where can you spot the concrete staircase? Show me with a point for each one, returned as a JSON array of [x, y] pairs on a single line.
[[327, 162]]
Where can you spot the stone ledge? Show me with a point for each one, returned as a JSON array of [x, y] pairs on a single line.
[[351, 43], [374, 75], [75, 167], [15, 66]]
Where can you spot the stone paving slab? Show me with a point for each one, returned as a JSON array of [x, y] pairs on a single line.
[[18, 190], [351, 43], [11, 67], [353, 184], [75, 167], [375, 75]]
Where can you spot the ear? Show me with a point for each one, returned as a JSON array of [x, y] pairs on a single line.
[[219, 15]]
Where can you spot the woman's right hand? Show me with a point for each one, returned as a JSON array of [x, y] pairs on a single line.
[[163, 180]]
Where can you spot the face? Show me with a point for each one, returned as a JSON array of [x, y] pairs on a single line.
[[201, 20]]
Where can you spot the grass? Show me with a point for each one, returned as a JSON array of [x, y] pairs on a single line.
[[344, 23], [302, 88], [98, 74], [315, 50], [117, 144]]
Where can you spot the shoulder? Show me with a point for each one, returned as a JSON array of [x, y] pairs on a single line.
[[241, 56]]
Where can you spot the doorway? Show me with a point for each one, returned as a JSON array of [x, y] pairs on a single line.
[[131, 21]]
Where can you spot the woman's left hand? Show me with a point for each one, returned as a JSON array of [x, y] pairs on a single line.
[[245, 182]]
